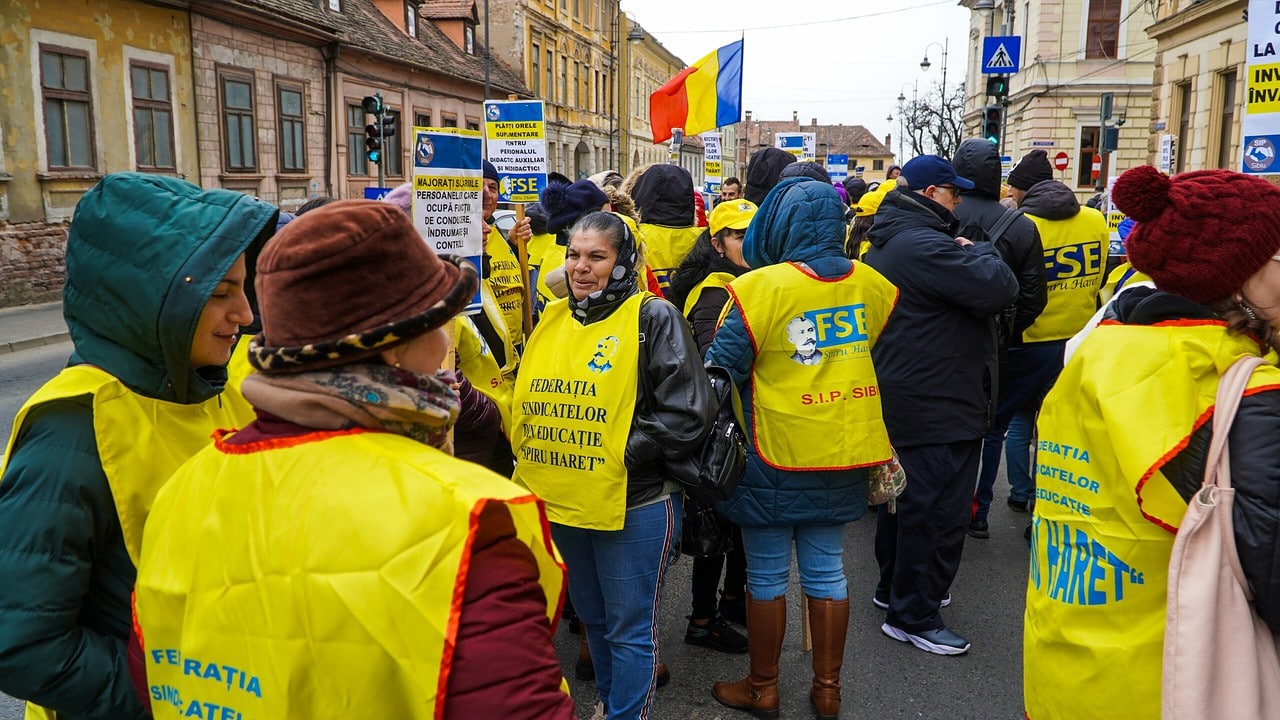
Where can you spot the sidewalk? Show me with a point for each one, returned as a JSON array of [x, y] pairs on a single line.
[[29, 326]]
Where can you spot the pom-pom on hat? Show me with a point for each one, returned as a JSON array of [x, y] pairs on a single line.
[[564, 204], [1199, 234]]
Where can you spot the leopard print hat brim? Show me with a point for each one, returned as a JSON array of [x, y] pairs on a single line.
[[367, 343]]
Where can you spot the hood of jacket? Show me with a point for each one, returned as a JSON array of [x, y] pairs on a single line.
[[904, 211], [664, 196], [801, 220], [763, 172], [978, 160], [144, 254], [1051, 200]]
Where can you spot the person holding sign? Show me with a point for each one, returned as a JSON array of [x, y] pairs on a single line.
[[610, 405], [502, 271], [332, 558], [1123, 440]]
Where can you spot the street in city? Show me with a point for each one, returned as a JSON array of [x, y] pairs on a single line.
[[883, 679]]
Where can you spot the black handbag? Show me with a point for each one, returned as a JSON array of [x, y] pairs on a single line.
[[704, 532], [723, 460]]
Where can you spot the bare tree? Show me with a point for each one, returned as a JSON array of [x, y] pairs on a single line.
[[934, 123]]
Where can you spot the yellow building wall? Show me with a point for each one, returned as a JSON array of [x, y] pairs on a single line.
[[112, 32]]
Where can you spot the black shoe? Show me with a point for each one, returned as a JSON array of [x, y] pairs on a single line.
[[1019, 505], [717, 635], [979, 529], [939, 642], [734, 610]]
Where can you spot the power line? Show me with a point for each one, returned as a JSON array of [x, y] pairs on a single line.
[[805, 24]]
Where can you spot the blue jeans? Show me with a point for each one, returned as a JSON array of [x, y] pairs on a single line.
[[819, 555], [1029, 372], [615, 578]]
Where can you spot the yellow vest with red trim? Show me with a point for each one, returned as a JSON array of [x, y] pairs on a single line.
[[1075, 260], [477, 363], [814, 394], [665, 248], [1123, 275], [1105, 516], [571, 413], [318, 577], [141, 442], [714, 280], [507, 285]]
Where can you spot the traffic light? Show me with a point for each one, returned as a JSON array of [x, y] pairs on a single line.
[[998, 87], [373, 134], [993, 123]]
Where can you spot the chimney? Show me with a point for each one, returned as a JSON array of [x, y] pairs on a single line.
[[815, 122], [795, 117], [886, 140], [748, 116]]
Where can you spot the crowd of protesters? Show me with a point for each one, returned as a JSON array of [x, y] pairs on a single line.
[[282, 474]]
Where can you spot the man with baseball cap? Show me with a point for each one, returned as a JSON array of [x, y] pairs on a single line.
[[936, 363]]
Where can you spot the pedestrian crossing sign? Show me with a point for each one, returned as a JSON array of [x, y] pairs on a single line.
[[1001, 55]]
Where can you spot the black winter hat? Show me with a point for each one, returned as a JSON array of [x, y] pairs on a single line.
[[1033, 168], [564, 204], [764, 171], [855, 188], [806, 169]]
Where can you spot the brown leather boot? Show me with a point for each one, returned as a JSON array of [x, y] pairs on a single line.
[[757, 693], [583, 669], [829, 620]]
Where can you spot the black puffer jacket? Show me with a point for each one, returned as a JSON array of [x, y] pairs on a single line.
[[1020, 245], [1254, 455], [936, 360]]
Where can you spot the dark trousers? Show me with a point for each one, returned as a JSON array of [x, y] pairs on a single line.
[[706, 576], [918, 549]]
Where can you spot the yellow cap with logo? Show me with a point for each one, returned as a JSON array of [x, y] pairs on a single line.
[[870, 202], [731, 214]]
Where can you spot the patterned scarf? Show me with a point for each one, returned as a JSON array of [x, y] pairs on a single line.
[[622, 283], [367, 395]]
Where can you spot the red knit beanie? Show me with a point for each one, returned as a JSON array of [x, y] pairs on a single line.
[[1199, 234]]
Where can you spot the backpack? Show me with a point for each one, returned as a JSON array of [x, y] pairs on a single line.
[[976, 233]]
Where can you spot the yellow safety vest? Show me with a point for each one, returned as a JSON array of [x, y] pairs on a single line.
[[1105, 516], [814, 394], [1075, 258], [1123, 275], [551, 259], [477, 363], [538, 245], [141, 442], [319, 576], [665, 248], [238, 368], [571, 414], [714, 280], [507, 285]]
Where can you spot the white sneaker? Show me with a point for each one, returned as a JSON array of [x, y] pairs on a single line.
[[599, 713]]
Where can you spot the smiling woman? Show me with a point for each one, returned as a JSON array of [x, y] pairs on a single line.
[[220, 322]]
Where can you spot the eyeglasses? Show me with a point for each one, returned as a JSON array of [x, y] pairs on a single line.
[[955, 191]]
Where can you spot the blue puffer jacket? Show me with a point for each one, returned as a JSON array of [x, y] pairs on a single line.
[[802, 220]]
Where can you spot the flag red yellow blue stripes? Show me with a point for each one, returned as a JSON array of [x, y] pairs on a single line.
[[703, 97]]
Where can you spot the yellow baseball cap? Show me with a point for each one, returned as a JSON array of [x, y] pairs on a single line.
[[732, 214], [870, 202]]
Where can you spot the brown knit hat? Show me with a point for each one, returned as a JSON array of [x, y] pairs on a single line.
[[1199, 234], [346, 281]]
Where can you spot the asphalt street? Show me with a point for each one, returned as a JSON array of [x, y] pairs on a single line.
[[883, 679]]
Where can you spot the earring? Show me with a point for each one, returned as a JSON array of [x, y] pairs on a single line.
[[1248, 311]]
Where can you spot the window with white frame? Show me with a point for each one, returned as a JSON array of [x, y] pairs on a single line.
[[68, 107]]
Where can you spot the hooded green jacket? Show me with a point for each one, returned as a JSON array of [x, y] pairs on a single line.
[[144, 254]]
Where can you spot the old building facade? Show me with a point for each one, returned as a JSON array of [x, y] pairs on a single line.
[[864, 149]]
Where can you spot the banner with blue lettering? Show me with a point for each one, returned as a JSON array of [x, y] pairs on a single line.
[[447, 194], [517, 138]]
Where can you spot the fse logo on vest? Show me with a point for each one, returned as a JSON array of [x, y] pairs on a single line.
[[1072, 266], [833, 332]]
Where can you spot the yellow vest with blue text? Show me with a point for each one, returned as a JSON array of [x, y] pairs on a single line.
[[714, 280], [318, 577], [477, 363], [1105, 515], [1075, 260], [665, 248], [141, 442], [507, 285], [1122, 276], [814, 394], [571, 413]]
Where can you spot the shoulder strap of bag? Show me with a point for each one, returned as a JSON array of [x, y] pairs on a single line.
[[1004, 223], [1217, 467]]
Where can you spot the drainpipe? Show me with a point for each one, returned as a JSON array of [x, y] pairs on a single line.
[[330, 54]]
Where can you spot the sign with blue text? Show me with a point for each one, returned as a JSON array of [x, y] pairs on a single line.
[[448, 189], [517, 138], [838, 167], [1261, 132], [1001, 55]]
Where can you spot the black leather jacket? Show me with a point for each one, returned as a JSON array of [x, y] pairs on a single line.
[[1254, 449], [674, 404]]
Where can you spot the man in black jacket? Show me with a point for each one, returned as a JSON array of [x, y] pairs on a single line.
[[1020, 247], [936, 365]]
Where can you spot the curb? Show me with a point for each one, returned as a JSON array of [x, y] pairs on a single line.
[[18, 345]]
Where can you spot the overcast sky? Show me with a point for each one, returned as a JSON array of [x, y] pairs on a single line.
[[841, 62]]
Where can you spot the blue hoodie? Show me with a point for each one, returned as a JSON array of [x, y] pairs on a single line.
[[801, 220]]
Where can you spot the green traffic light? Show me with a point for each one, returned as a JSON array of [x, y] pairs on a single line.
[[374, 156]]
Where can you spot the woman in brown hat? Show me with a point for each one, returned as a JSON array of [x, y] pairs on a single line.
[[1123, 440], [332, 557]]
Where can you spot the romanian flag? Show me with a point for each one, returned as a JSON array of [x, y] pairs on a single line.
[[702, 97]]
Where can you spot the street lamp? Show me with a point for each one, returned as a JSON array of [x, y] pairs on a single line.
[[925, 64], [902, 99]]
